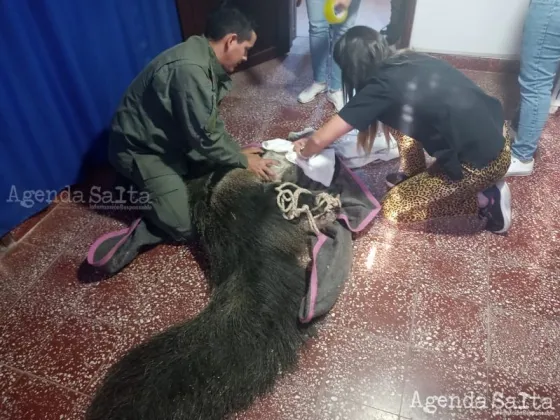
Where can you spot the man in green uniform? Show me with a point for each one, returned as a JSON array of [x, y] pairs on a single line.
[[167, 128]]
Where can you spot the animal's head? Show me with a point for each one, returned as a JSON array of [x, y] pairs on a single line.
[[285, 170]]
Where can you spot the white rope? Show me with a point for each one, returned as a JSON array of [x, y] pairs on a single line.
[[288, 201]]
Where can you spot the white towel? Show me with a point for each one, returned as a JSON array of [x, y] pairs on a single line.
[[354, 157], [319, 168]]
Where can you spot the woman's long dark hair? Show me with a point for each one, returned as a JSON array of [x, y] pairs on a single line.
[[359, 53]]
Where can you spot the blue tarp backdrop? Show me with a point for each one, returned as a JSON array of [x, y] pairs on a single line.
[[64, 65]]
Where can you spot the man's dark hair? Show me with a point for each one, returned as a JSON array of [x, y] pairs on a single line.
[[229, 20]]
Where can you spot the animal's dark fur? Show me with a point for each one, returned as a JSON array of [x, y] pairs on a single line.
[[218, 362]]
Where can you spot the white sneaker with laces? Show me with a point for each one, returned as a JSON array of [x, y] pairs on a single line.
[[311, 92], [519, 168], [336, 98]]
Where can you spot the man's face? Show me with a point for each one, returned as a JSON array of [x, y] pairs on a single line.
[[236, 52]]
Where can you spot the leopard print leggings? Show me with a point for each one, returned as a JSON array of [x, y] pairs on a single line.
[[429, 193]]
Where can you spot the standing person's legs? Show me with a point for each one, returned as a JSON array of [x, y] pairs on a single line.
[[319, 46], [540, 57], [432, 195], [335, 85]]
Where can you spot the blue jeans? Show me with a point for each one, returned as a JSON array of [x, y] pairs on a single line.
[[322, 37], [540, 57]]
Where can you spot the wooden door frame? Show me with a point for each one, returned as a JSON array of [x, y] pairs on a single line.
[[404, 41]]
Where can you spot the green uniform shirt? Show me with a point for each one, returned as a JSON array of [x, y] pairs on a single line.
[[168, 120]]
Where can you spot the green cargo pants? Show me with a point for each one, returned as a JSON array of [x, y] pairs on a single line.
[[168, 208]]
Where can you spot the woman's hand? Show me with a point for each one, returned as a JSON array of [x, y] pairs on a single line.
[[299, 145]]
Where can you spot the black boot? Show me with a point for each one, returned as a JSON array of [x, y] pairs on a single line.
[[115, 250]]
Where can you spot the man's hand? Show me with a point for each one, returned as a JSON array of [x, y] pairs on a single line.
[[258, 165]]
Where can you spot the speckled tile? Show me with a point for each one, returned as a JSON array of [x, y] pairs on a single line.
[[526, 244], [16, 269], [100, 224], [513, 398], [78, 412], [377, 260], [8, 377], [529, 289], [525, 345], [26, 226], [114, 300], [288, 118], [176, 293], [32, 398], [456, 266], [330, 406], [376, 304], [365, 369], [59, 288], [24, 331], [547, 157], [8, 298], [77, 351], [450, 326], [431, 376], [59, 228]]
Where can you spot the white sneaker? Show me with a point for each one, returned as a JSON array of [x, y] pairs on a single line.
[[336, 98], [518, 168], [311, 92]]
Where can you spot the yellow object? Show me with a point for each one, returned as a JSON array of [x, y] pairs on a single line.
[[332, 15]]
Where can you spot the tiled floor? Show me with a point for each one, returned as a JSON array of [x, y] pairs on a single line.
[[422, 314]]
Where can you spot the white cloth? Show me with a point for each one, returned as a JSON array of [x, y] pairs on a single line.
[[354, 157], [319, 168]]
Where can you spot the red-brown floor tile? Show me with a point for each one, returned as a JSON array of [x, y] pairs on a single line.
[[24, 331], [526, 288], [114, 300], [365, 369], [525, 345], [8, 377], [376, 304], [26, 226], [33, 398], [78, 412], [547, 154], [100, 224], [24, 264], [456, 266], [430, 375], [59, 288], [379, 260], [8, 298], [525, 245], [59, 228], [330, 406], [177, 293], [77, 351], [451, 327], [517, 399], [287, 118]]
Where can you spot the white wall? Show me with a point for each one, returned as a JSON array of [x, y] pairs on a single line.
[[482, 28]]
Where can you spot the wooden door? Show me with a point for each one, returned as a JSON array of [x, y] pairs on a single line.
[[275, 24]]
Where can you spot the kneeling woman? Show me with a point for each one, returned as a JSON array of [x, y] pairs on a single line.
[[428, 104]]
